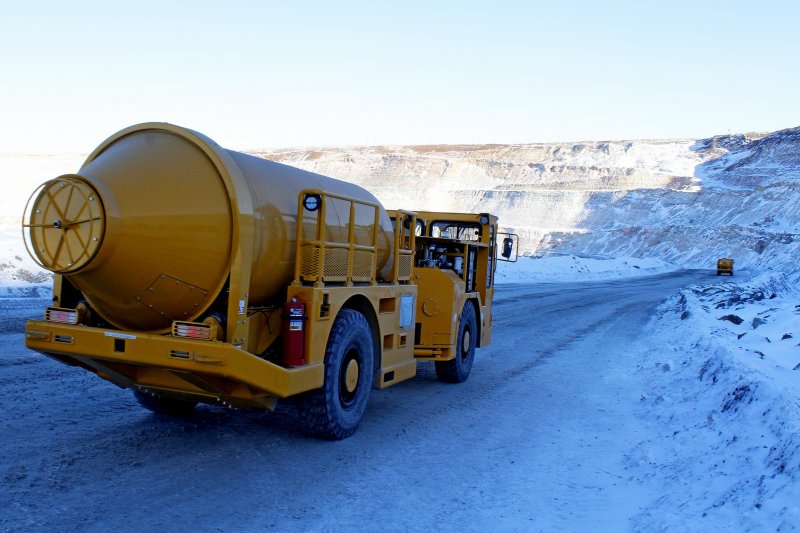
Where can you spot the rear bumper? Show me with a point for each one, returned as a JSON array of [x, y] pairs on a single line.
[[205, 370]]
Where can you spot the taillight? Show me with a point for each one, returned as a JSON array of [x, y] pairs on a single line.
[[194, 330], [64, 316]]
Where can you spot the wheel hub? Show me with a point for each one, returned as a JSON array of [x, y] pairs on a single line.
[[351, 376], [465, 343]]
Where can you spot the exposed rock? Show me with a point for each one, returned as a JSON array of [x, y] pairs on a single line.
[[732, 318], [608, 198]]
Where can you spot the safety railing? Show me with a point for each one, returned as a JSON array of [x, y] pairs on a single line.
[[325, 258], [405, 223]]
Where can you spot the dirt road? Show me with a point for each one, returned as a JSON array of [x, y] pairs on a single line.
[[534, 440]]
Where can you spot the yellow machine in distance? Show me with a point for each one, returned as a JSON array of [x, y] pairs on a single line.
[[725, 266], [191, 273]]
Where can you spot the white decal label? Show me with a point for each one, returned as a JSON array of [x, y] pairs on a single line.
[[120, 335], [241, 307], [406, 311]]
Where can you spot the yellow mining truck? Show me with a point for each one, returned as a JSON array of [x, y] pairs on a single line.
[[725, 266], [191, 273]]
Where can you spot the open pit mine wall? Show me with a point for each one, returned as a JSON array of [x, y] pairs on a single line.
[[686, 201]]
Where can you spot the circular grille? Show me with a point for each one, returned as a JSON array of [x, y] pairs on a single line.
[[63, 224]]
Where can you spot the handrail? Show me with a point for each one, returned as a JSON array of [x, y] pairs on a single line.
[[319, 273], [404, 237]]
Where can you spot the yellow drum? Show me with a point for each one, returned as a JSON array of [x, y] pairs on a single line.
[[148, 227]]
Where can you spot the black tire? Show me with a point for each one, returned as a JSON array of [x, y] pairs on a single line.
[[335, 411], [164, 406], [457, 370]]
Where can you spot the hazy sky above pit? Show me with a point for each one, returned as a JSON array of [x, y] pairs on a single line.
[[273, 74]]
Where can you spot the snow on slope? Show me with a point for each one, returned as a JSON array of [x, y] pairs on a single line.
[[724, 391], [682, 201], [535, 188], [745, 205]]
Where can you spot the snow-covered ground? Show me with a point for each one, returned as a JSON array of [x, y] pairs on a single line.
[[599, 405], [722, 395], [621, 390], [560, 268], [539, 439]]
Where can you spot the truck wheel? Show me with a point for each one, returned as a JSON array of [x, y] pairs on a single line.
[[334, 411], [164, 406], [457, 370]]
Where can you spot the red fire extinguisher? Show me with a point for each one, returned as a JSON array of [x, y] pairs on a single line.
[[294, 314]]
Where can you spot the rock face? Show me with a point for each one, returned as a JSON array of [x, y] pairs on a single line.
[[744, 202], [686, 201]]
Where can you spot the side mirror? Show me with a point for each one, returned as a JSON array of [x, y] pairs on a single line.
[[508, 247]]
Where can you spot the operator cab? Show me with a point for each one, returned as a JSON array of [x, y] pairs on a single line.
[[454, 245], [459, 242]]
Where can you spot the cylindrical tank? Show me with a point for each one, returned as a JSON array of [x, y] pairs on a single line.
[[147, 228]]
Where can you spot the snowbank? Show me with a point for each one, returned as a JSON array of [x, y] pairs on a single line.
[[756, 322], [559, 268], [20, 276], [723, 385]]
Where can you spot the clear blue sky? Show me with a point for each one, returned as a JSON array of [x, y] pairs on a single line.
[[273, 74]]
